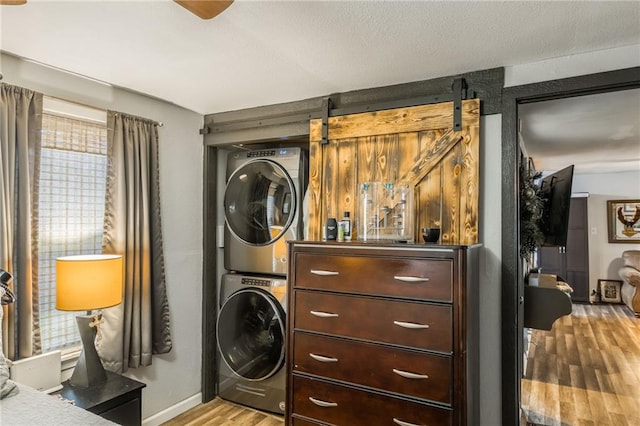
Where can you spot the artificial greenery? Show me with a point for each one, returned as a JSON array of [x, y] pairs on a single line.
[[531, 204]]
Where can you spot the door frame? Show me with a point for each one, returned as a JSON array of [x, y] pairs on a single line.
[[512, 270]]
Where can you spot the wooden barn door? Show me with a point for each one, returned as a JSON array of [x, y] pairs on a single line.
[[416, 145]]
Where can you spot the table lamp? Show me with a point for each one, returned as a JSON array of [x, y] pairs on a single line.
[[85, 283]]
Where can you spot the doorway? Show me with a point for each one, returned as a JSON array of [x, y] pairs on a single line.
[[598, 136], [513, 269]]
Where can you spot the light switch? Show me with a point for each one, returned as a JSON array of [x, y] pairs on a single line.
[[594, 230]]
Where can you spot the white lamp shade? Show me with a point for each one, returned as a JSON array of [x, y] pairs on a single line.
[[88, 282]]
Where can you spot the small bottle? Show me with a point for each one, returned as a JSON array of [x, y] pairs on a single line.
[[346, 222], [331, 229], [340, 232]]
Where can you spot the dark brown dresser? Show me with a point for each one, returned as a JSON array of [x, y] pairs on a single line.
[[382, 334]]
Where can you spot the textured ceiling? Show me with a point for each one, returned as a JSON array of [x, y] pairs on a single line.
[[597, 133], [266, 52]]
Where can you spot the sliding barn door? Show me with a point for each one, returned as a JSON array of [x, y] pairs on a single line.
[[415, 145]]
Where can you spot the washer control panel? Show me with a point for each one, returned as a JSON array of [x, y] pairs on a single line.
[[256, 282], [264, 153]]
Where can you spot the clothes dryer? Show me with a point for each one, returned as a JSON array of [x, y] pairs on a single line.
[[250, 337], [263, 208]]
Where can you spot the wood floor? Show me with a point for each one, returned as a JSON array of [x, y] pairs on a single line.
[[223, 413], [585, 370]]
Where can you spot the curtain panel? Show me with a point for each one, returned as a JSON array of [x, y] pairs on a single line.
[[20, 127], [140, 326]]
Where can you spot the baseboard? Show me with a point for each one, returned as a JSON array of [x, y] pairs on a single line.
[[173, 411]]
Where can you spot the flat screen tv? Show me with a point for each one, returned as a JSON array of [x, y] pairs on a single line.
[[555, 190]]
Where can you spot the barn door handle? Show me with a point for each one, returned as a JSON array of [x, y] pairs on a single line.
[[323, 273], [410, 279], [411, 325]]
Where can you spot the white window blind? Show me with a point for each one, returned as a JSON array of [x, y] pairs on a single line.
[[70, 211]]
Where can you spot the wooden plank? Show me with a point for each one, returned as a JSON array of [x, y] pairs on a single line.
[[330, 188], [367, 166], [411, 119], [450, 193], [314, 197], [427, 199], [470, 185], [430, 200], [430, 156], [347, 185]]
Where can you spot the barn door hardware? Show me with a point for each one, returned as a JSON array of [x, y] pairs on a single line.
[[459, 90], [326, 108]]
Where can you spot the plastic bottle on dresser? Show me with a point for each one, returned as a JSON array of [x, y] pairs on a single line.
[[346, 222]]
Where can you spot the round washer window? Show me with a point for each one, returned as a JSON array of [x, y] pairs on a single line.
[[251, 334]]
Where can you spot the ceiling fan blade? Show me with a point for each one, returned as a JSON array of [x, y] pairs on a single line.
[[205, 9], [12, 2]]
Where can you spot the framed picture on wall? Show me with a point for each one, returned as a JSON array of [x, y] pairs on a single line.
[[623, 221], [610, 291]]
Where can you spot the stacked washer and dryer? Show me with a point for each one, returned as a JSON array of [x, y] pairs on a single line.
[[263, 209]]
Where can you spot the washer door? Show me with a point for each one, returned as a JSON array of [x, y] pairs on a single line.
[[250, 334], [259, 202]]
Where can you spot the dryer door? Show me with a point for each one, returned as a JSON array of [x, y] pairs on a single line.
[[250, 334], [259, 202]]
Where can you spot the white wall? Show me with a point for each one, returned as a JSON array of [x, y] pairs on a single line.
[[176, 376], [573, 65], [490, 270], [604, 257]]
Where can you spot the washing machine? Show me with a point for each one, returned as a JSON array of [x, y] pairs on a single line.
[[263, 208], [250, 336]]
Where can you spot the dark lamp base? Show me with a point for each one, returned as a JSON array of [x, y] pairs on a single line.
[[89, 370]]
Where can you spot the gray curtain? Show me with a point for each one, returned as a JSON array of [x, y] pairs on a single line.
[[140, 325], [20, 126]]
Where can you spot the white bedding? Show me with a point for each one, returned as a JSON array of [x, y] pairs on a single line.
[[32, 408]]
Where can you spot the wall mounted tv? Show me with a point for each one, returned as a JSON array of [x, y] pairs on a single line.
[[555, 190]]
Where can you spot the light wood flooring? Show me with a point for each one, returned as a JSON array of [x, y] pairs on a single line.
[[585, 370], [223, 413]]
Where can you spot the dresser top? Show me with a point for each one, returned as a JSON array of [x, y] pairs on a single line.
[[377, 245]]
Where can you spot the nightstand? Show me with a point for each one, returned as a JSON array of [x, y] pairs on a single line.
[[119, 399]]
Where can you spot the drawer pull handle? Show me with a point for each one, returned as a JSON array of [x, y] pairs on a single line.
[[411, 325], [322, 403], [410, 279], [401, 423], [323, 358], [408, 375], [323, 272], [323, 314]]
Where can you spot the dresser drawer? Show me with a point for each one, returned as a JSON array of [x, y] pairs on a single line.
[[411, 324], [396, 370], [344, 406], [398, 277]]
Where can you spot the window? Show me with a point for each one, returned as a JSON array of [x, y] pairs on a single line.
[[70, 210]]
